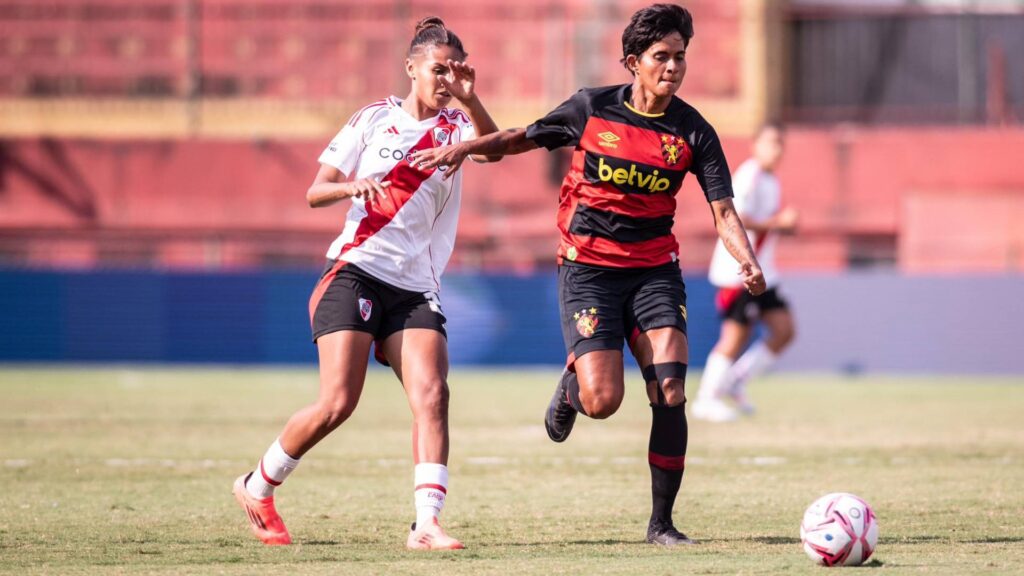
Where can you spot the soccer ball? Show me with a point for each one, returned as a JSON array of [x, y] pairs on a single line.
[[839, 529]]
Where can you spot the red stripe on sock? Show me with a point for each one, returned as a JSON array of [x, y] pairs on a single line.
[[432, 486], [268, 479], [666, 462]]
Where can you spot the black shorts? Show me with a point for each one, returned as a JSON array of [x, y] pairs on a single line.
[[347, 298], [739, 305], [601, 307]]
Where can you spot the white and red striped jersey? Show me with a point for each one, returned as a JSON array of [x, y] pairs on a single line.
[[757, 196], [406, 238]]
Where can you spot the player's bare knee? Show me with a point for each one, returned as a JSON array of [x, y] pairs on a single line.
[[729, 349], [334, 412], [675, 391], [602, 405], [781, 338], [432, 399], [671, 382]]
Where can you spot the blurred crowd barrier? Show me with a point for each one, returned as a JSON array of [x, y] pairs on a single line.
[[851, 323]]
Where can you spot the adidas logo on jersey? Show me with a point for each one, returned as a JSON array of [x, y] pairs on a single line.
[[632, 177]]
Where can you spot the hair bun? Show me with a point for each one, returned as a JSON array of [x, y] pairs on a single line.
[[429, 22]]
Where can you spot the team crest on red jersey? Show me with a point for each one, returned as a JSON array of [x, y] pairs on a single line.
[[673, 148], [586, 321], [365, 309], [442, 134]]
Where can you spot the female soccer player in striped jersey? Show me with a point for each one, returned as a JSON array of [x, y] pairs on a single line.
[[380, 286], [618, 272]]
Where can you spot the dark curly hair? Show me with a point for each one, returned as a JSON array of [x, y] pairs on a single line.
[[431, 32], [651, 24]]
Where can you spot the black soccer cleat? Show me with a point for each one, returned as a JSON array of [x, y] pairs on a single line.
[[666, 535], [561, 416]]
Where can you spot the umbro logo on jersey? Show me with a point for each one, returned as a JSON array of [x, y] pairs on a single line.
[[608, 140]]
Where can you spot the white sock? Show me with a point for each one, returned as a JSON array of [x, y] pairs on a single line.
[[758, 358], [431, 481], [271, 470], [713, 380]]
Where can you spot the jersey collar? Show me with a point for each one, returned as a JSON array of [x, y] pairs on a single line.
[[627, 92], [397, 103]]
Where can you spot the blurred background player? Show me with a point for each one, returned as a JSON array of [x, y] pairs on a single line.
[[618, 273], [758, 199], [380, 286]]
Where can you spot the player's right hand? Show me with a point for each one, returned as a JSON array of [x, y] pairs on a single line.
[[368, 189], [787, 220], [753, 278], [450, 157]]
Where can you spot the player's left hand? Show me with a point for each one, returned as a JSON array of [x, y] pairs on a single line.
[[753, 278], [460, 81]]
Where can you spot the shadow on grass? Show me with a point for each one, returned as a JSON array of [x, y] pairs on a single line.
[[605, 542], [769, 540], [995, 540], [927, 539], [919, 539], [774, 540]]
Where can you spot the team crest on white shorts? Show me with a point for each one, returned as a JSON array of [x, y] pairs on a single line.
[[365, 309]]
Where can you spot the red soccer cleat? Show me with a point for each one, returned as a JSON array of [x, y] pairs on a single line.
[[431, 537], [266, 524]]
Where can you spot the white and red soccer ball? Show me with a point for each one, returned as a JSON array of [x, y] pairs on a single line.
[[839, 529]]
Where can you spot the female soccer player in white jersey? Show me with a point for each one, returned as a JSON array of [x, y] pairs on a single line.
[[759, 203], [380, 286]]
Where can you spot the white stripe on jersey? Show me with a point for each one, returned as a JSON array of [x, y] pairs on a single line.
[[407, 238]]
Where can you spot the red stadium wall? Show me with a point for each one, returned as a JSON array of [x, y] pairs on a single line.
[[935, 199]]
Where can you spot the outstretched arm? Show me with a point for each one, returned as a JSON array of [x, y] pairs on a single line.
[[462, 86], [733, 235], [501, 143]]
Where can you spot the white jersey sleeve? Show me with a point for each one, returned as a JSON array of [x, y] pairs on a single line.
[[347, 146], [743, 182]]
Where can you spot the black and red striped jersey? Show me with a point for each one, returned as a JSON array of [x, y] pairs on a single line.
[[617, 203]]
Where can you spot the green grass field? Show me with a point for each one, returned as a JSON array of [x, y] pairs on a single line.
[[128, 471]]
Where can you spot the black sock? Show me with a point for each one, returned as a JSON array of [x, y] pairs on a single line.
[[572, 386], [666, 456]]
